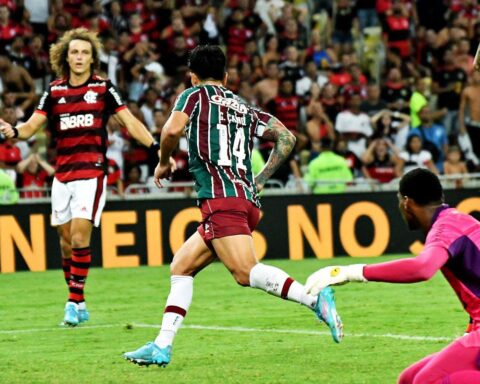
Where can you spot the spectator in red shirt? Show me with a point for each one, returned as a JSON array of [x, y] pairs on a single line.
[[8, 30], [35, 174], [237, 35], [357, 84], [114, 178], [380, 164], [397, 31]]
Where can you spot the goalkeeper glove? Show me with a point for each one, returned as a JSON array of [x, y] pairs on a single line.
[[334, 276]]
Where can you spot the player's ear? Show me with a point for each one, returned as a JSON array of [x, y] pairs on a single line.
[[194, 79]]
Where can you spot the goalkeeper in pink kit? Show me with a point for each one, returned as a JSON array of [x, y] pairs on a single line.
[[452, 246]]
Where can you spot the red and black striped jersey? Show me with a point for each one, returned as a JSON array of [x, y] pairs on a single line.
[[77, 118]]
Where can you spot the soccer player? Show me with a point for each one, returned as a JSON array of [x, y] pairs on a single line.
[[452, 246], [76, 107], [220, 128]]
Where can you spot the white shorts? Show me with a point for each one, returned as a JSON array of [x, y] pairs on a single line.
[[82, 199]]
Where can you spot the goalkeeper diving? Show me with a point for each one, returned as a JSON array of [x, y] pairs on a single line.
[[453, 246]]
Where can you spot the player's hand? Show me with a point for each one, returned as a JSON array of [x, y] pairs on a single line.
[[335, 275], [162, 172], [6, 129]]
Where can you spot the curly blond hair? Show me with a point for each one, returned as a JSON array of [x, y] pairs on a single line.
[[59, 50]]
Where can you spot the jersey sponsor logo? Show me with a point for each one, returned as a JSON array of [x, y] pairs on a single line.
[[76, 121], [102, 84], [62, 101], [41, 103], [229, 103], [90, 97], [59, 88], [115, 95]]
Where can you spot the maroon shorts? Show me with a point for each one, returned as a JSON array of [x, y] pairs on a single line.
[[227, 216]]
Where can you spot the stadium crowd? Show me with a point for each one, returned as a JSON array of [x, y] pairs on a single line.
[[370, 88]]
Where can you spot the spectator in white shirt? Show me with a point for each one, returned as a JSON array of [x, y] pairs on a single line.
[[355, 126]]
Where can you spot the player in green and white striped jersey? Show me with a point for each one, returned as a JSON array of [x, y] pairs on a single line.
[[221, 128]]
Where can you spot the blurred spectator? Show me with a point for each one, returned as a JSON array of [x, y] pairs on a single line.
[[114, 178], [311, 77], [329, 100], [396, 92], [381, 161], [357, 83], [293, 35], [470, 123], [116, 19], [419, 100], [18, 81], [8, 29], [39, 69], [9, 158], [116, 144], [454, 165], [150, 103], [271, 50], [323, 56], [133, 183], [176, 62], [38, 10], [397, 30], [391, 125], [448, 84], [267, 89], [434, 137], [355, 126], [286, 107], [17, 53], [329, 168], [318, 127], [35, 174], [463, 58], [236, 34], [290, 67], [8, 192], [353, 162], [344, 20], [109, 61], [373, 103], [414, 156]]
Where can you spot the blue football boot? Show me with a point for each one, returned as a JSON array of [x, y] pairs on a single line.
[[326, 311], [149, 354]]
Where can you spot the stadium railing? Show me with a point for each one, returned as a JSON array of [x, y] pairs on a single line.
[[185, 189]]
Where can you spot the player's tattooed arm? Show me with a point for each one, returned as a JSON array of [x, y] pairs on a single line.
[[284, 143]]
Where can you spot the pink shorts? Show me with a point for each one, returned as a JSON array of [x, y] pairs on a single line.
[[227, 216]]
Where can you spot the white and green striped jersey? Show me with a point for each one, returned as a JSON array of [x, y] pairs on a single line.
[[220, 134]]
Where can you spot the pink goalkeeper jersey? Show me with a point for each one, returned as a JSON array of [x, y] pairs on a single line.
[[453, 246]]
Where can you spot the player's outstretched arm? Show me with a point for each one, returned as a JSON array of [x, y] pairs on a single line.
[[334, 275], [134, 127], [23, 131], [284, 143], [409, 270]]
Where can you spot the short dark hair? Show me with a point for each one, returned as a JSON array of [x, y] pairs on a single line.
[[421, 185], [207, 62]]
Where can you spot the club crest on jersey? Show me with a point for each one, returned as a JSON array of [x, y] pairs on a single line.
[[90, 97], [229, 103]]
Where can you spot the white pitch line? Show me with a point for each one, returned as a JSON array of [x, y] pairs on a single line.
[[239, 329]]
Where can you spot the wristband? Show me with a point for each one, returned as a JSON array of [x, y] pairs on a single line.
[[15, 132], [155, 147]]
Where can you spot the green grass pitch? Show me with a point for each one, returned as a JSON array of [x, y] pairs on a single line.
[[254, 337]]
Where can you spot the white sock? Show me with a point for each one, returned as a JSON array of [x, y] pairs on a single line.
[[178, 302], [82, 306], [277, 282]]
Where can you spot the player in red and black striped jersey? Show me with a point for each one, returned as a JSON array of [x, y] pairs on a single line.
[[220, 129], [76, 108]]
